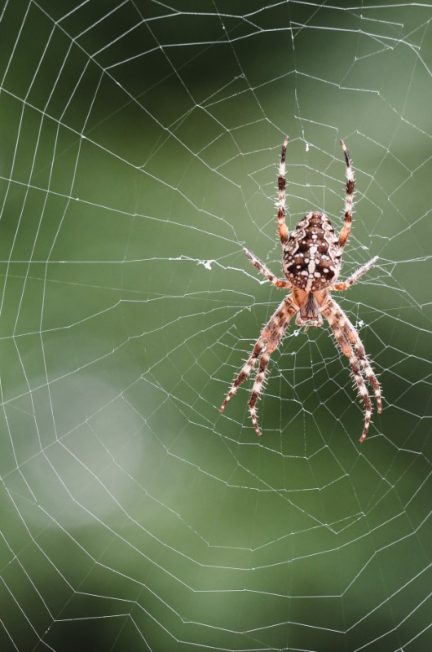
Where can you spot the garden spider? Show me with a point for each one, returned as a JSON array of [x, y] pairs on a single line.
[[311, 262]]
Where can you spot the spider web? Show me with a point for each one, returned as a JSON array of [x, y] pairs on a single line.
[[139, 149]]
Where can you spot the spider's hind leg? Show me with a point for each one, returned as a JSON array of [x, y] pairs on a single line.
[[272, 333], [245, 372], [356, 343], [353, 337], [352, 347], [267, 342]]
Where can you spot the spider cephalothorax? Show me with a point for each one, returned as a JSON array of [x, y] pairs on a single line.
[[311, 263]]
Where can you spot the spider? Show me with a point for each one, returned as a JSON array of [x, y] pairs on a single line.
[[311, 262]]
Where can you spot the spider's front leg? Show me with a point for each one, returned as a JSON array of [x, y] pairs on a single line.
[[267, 342], [349, 195], [281, 207]]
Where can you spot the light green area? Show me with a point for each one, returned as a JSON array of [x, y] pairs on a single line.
[[132, 171]]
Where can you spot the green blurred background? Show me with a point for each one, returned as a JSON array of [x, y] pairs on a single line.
[[138, 153]]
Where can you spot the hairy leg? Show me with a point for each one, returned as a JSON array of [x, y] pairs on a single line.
[[264, 270], [272, 333], [340, 324], [355, 341], [267, 342], [245, 371], [350, 186], [281, 208], [344, 285]]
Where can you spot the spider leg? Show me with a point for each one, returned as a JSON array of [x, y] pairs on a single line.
[[264, 270], [344, 285], [257, 390], [272, 334], [355, 341], [281, 209], [339, 325], [267, 342], [350, 185], [245, 371]]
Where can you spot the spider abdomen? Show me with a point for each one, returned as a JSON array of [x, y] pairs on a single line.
[[311, 257]]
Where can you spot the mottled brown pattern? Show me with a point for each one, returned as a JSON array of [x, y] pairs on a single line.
[[311, 261], [313, 240]]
